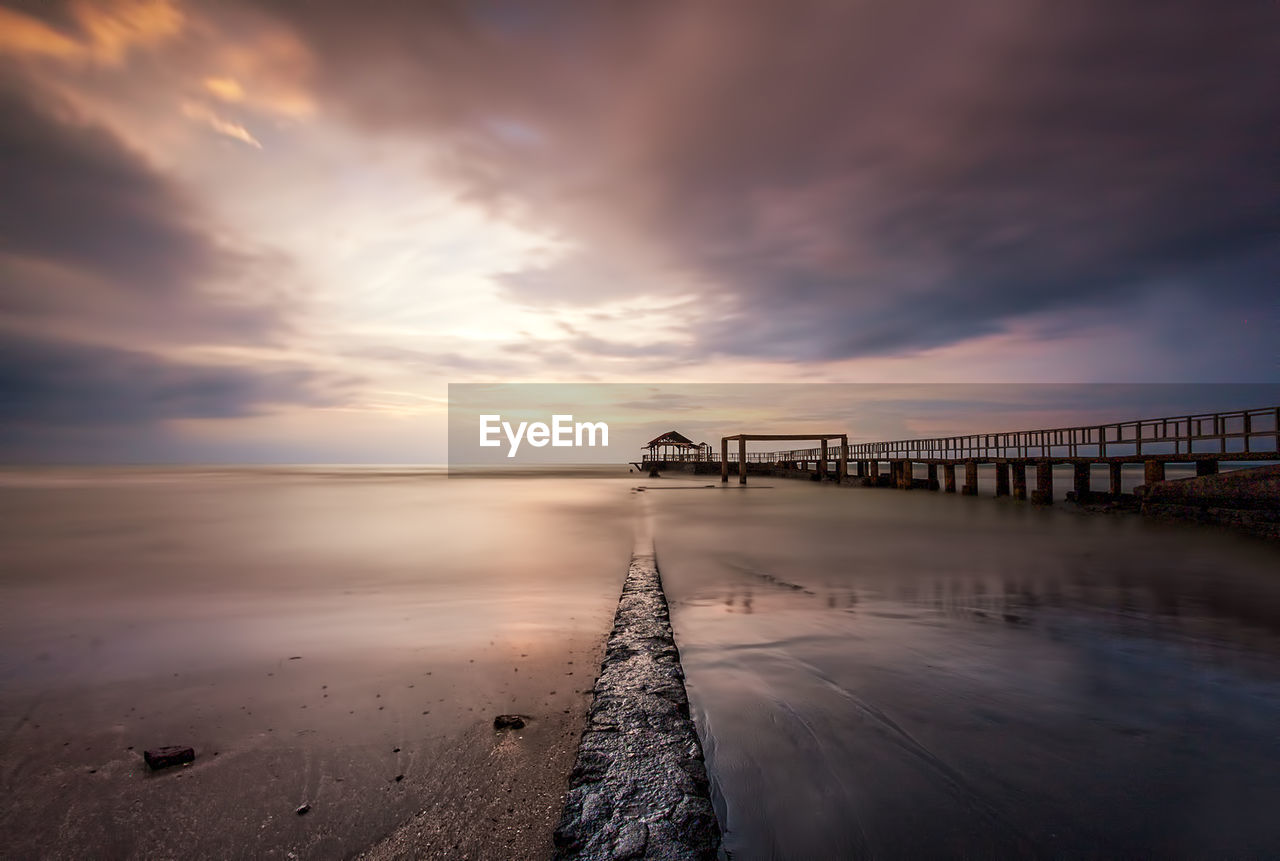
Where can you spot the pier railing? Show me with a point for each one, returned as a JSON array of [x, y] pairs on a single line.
[[1252, 434]]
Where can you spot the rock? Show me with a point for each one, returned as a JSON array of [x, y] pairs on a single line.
[[508, 722], [163, 757], [302, 810], [631, 841], [639, 787]]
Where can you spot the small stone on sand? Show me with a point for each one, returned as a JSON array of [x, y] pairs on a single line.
[[163, 757]]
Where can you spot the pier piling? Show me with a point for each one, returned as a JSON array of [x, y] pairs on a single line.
[[1115, 472], [933, 476], [1019, 480], [970, 479], [1081, 481], [1002, 479], [1206, 467], [1152, 471], [1043, 494], [949, 477]]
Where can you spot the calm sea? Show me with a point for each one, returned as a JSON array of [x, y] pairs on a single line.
[[874, 672]]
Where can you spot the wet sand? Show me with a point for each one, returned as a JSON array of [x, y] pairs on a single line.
[[891, 674], [335, 642]]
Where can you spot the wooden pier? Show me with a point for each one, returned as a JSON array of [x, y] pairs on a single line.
[[1206, 440], [823, 457]]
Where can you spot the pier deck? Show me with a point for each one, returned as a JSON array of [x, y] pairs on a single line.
[[1205, 439]]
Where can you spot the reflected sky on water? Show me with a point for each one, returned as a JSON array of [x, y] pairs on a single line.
[[907, 674]]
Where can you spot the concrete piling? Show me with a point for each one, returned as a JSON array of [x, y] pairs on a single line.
[[1002, 479], [1081, 481], [1043, 494], [1019, 470]]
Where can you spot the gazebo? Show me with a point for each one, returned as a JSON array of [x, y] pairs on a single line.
[[670, 446]]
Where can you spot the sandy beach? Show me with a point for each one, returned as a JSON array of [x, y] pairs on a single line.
[[355, 670]]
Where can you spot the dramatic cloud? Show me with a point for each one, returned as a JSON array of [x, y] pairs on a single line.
[[94, 235], [52, 383], [855, 178], [232, 213]]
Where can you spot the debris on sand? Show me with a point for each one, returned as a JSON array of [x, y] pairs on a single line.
[[508, 722], [163, 757]]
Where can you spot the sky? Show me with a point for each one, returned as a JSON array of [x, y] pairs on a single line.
[[276, 231]]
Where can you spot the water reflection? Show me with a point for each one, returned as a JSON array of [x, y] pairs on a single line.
[[921, 675]]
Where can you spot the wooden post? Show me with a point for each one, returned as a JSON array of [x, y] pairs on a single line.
[[970, 479], [861, 469], [1206, 467], [933, 476], [1019, 470], [907, 476], [1115, 472], [1152, 471], [724, 460], [1043, 494], [1081, 483], [1002, 479], [875, 472], [822, 464], [949, 477], [843, 471], [742, 461]]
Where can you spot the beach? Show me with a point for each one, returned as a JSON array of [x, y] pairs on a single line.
[[871, 672], [336, 639]]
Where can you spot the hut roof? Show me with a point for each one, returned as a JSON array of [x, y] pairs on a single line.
[[671, 438]]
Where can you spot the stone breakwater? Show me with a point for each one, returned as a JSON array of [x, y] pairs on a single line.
[[639, 787]]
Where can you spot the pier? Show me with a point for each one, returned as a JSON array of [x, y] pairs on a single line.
[[1023, 460]]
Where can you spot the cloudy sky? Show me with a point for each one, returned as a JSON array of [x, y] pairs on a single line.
[[277, 230]]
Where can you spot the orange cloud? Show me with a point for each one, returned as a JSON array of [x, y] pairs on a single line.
[[268, 73], [204, 114], [109, 30], [21, 34], [225, 89]]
